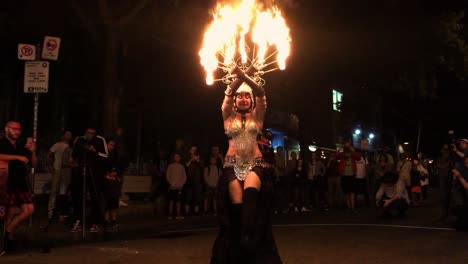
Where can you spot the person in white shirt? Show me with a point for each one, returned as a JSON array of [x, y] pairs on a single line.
[[176, 177], [56, 151], [392, 196], [361, 179]]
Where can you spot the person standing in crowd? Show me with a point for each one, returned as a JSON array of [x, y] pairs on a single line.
[[211, 177], [381, 169], [335, 195], [176, 178], [280, 180], [315, 176], [291, 165], [19, 158], [76, 189], [56, 154], [444, 164], [390, 161], [193, 187], [111, 187], [422, 167], [159, 185], [404, 166], [461, 151], [215, 152], [347, 169], [244, 189], [362, 178], [64, 206], [300, 187], [91, 152], [121, 152], [460, 177], [416, 190]]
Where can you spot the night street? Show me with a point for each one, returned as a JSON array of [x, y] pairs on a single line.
[[234, 131], [314, 237]]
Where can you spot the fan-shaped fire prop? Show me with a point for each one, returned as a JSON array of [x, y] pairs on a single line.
[[246, 34]]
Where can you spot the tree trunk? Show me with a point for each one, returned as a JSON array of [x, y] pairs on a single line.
[[112, 85]]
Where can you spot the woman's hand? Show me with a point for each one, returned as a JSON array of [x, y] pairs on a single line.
[[236, 72]]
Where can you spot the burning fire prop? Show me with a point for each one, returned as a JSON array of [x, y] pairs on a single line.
[[245, 34]]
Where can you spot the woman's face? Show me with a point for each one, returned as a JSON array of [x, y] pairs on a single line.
[[177, 158], [243, 101], [111, 145]]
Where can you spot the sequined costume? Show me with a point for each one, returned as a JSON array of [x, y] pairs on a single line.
[[243, 135], [245, 234]]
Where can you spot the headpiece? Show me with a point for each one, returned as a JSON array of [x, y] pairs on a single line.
[[245, 88]]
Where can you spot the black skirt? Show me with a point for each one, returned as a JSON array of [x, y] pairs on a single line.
[[226, 248]]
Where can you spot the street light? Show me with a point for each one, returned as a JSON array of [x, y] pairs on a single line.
[[371, 135], [312, 148], [357, 131]]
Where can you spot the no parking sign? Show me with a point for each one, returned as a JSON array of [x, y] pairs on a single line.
[[50, 49]]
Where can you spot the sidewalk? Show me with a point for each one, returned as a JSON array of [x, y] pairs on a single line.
[[137, 221]]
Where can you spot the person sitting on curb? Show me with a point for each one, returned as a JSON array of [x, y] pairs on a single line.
[[392, 196]]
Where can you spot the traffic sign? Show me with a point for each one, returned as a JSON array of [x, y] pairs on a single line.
[[51, 48], [36, 77], [26, 52]]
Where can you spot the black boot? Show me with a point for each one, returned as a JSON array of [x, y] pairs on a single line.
[[235, 254], [249, 239]]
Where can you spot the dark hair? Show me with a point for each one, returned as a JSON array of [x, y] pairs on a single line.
[[389, 177]]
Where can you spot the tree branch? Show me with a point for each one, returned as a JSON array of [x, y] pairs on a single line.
[[84, 21]]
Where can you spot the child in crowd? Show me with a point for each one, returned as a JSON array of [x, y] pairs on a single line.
[[416, 190], [176, 177]]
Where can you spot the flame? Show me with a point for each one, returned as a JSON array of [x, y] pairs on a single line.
[[237, 27]]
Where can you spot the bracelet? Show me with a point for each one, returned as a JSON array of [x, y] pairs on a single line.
[[228, 91]]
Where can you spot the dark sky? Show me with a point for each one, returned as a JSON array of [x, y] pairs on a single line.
[[350, 43]]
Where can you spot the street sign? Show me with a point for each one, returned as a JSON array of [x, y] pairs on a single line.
[[26, 52], [51, 47], [36, 77]]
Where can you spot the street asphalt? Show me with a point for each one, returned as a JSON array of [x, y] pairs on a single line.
[[335, 236]]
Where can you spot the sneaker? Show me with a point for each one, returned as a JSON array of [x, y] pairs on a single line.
[[76, 227], [179, 217], [170, 218], [50, 213], [114, 225], [305, 209], [122, 203], [93, 228]]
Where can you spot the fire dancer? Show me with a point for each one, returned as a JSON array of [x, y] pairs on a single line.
[[244, 190]]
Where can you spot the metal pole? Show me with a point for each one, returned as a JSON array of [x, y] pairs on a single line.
[[139, 127], [83, 215], [33, 170], [35, 121], [419, 135]]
